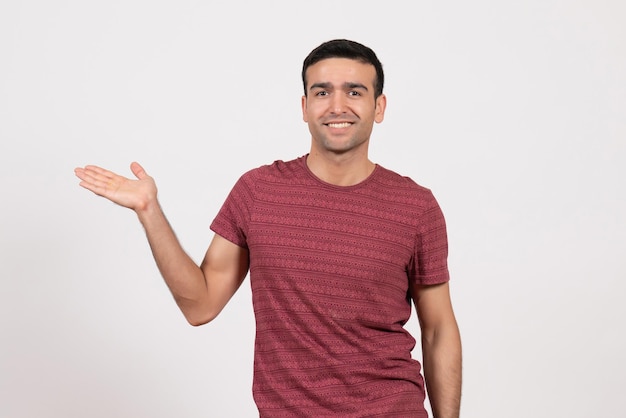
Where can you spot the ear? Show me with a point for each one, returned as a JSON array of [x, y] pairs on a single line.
[[379, 111], [304, 117]]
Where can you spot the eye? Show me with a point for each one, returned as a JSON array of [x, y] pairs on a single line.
[[322, 93], [354, 93]]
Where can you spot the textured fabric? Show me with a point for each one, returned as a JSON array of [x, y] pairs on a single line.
[[329, 269]]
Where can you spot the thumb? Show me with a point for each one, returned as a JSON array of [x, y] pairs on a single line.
[[138, 170]]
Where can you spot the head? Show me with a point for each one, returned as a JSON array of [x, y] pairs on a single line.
[[343, 48], [343, 97]]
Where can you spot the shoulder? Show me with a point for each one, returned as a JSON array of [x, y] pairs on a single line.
[[394, 179], [403, 189], [277, 171]]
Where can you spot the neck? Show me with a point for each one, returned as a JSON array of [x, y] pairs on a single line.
[[340, 169]]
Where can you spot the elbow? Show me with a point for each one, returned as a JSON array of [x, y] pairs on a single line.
[[196, 322], [195, 312], [196, 319], [198, 312]]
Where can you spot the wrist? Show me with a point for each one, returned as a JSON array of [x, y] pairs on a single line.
[[148, 210]]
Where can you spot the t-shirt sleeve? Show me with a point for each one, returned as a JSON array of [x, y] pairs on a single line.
[[233, 219], [430, 257]]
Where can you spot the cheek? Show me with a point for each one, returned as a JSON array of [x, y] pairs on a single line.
[[311, 112]]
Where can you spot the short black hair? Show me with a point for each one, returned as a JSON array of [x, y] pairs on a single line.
[[343, 48]]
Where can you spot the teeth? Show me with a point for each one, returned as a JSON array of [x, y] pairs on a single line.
[[339, 125]]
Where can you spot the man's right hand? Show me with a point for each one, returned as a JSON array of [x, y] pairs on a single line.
[[201, 292], [137, 195]]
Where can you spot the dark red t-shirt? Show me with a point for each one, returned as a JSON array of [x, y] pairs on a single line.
[[329, 269]]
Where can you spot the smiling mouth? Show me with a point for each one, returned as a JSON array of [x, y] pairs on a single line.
[[339, 125]]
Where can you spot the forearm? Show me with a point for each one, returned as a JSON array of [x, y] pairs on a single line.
[[442, 371], [187, 281], [182, 275]]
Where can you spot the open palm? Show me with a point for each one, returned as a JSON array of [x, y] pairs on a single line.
[[133, 194]]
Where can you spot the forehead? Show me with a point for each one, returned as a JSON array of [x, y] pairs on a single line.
[[341, 70]]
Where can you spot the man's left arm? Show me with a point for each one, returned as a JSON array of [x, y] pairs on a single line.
[[441, 348]]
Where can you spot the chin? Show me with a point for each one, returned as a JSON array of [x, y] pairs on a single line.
[[342, 148]]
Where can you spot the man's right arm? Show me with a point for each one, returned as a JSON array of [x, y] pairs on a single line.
[[201, 292]]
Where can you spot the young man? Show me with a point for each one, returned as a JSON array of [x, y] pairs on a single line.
[[337, 248]]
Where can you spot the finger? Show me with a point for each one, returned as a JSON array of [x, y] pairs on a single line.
[[84, 175], [79, 171], [138, 170], [99, 187], [98, 180], [96, 171], [94, 177]]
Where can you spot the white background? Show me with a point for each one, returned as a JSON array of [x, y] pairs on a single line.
[[513, 113]]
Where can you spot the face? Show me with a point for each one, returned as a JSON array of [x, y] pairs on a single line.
[[340, 107]]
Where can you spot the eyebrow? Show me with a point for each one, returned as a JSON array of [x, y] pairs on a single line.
[[347, 85]]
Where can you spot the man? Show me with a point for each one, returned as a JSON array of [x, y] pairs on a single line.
[[337, 248]]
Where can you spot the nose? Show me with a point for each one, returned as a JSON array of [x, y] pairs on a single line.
[[338, 104]]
